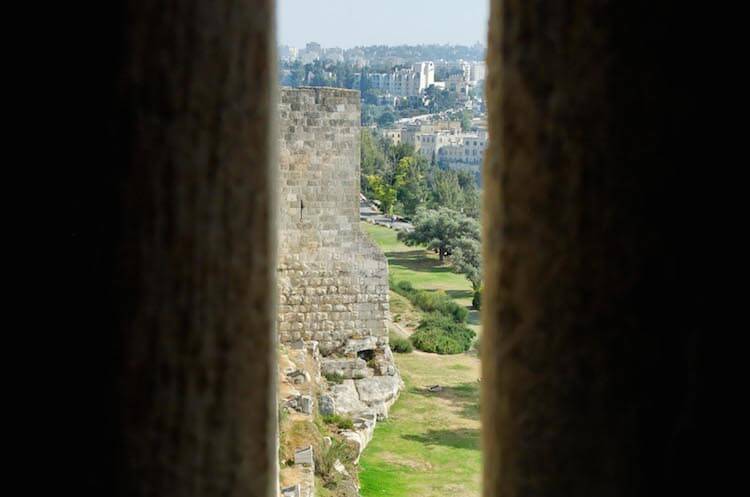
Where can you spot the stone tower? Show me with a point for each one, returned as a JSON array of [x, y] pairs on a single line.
[[333, 280]]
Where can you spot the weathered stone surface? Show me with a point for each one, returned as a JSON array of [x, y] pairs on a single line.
[[345, 368], [379, 392], [326, 405], [346, 398], [354, 345], [304, 456], [332, 279], [305, 404], [299, 376]]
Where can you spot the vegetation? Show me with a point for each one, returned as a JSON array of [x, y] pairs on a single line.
[[345, 423], [442, 335], [429, 446], [440, 230], [327, 456], [466, 259], [436, 301], [334, 378], [403, 180], [400, 345]]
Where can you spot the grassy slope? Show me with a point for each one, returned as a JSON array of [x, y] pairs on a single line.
[[430, 445], [422, 268]]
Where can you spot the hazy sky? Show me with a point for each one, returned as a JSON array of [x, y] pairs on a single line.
[[348, 23]]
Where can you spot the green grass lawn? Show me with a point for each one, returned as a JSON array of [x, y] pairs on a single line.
[[421, 267], [430, 445]]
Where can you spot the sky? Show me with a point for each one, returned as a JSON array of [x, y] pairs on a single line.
[[350, 23]]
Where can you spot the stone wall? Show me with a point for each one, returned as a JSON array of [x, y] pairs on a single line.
[[332, 279]]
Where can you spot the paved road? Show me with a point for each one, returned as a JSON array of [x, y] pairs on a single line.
[[367, 212]]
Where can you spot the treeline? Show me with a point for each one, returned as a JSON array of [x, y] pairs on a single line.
[[318, 73], [402, 180], [425, 52]]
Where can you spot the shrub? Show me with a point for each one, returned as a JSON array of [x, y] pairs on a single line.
[[431, 301], [340, 421], [334, 377], [401, 345], [439, 333]]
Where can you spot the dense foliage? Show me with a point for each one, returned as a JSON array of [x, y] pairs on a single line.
[[466, 259], [431, 301], [440, 230], [403, 180], [400, 345], [439, 333]]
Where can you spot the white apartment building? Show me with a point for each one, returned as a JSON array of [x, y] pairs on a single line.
[[478, 71], [409, 82], [469, 150]]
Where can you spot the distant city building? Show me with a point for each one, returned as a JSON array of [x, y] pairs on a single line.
[[441, 141], [409, 82], [478, 71], [334, 54]]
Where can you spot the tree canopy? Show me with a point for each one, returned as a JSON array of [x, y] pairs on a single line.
[[440, 230]]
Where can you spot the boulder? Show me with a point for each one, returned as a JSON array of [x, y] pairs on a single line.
[[305, 403], [379, 393], [346, 399], [304, 456], [326, 405]]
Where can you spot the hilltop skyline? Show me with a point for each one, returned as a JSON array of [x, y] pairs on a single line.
[[350, 23]]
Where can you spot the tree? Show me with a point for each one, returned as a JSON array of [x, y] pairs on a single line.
[[440, 230], [383, 192], [470, 203], [386, 119], [446, 190], [409, 181], [372, 160], [466, 259]]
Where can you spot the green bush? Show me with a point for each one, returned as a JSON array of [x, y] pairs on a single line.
[[334, 378], [401, 345], [340, 421], [439, 333], [431, 301]]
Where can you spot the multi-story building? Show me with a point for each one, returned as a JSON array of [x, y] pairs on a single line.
[[478, 71], [442, 141], [409, 82]]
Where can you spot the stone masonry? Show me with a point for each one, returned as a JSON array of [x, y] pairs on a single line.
[[333, 280]]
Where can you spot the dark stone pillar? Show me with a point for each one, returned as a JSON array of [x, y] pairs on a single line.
[[172, 253], [590, 371]]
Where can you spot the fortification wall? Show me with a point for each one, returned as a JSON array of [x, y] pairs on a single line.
[[333, 284]]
